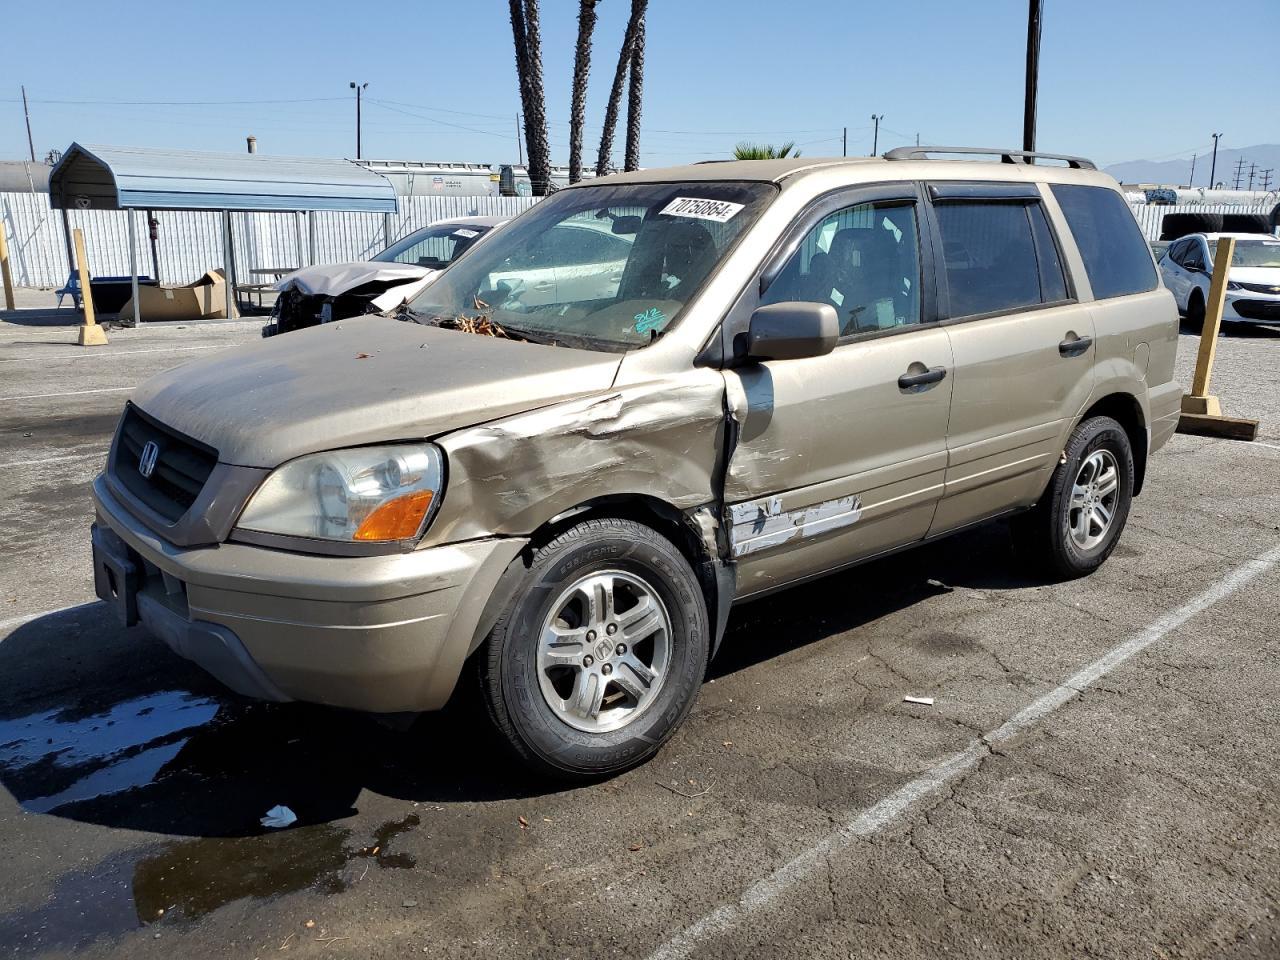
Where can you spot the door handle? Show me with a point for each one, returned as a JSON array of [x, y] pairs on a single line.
[[932, 375], [1073, 348]]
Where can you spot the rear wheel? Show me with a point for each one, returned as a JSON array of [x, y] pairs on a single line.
[[1076, 524], [600, 652]]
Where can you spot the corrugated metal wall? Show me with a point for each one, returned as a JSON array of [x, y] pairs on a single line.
[[191, 243]]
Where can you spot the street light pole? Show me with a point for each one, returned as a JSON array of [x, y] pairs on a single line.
[[875, 137], [1033, 76], [1213, 166], [358, 88]]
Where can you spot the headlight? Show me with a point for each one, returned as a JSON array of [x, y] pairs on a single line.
[[365, 494]]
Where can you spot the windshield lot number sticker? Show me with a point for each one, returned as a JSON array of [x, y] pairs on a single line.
[[651, 319], [720, 211]]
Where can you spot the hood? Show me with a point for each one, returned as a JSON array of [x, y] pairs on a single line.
[[360, 381], [332, 279], [1269, 275]]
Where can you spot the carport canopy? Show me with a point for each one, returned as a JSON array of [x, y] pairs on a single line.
[[97, 177], [122, 178]]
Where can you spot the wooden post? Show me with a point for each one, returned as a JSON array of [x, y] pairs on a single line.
[[4, 270], [91, 335], [1201, 411]]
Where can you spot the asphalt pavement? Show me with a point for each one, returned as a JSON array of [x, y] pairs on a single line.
[[1096, 777]]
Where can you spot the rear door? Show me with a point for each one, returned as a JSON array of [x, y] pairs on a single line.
[[1023, 347], [842, 456]]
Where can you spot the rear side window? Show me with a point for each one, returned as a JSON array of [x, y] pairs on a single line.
[[1116, 257], [998, 256]]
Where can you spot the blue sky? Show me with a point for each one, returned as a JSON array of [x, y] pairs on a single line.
[[442, 81]]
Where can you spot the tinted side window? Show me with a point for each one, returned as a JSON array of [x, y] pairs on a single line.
[[1116, 257], [1053, 280], [989, 254], [864, 260]]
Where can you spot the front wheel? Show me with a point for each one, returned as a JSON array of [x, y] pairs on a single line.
[[600, 652], [1195, 312], [1076, 524]]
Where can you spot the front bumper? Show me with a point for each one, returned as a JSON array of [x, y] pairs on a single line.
[[1252, 307], [384, 633]]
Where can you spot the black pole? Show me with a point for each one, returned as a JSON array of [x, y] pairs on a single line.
[[27, 115], [875, 136], [844, 142], [1033, 75], [1213, 166], [358, 88]]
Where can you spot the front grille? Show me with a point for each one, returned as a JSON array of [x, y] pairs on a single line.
[[1257, 309], [181, 470], [1260, 287]]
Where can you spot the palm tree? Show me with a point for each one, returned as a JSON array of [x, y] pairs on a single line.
[[528, 44], [635, 93], [581, 70], [764, 151], [634, 26]]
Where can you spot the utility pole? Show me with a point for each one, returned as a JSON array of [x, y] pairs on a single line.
[[358, 88], [519, 142], [875, 138], [1192, 182], [27, 114], [1252, 168], [1034, 8], [844, 142], [1213, 167], [1266, 178], [1239, 172]]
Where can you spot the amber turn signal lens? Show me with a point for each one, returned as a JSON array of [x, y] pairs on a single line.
[[396, 519]]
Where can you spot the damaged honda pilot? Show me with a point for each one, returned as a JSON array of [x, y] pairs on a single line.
[[646, 398]]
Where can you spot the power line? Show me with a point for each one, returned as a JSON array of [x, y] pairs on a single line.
[[173, 103]]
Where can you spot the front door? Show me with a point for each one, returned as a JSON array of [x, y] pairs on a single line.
[[843, 456]]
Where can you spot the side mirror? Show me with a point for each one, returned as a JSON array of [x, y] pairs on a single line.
[[792, 330]]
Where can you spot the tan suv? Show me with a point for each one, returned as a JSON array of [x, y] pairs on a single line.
[[731, 377]]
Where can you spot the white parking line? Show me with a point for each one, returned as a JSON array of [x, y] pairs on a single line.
[[1269, 446], [70, 456], [71, 393], [117, 353], [866, 822], [13, 623]]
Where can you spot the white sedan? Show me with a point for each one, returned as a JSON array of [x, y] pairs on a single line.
[[1253, 282]]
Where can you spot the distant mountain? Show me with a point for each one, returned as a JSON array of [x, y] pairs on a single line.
[[1176, 172]]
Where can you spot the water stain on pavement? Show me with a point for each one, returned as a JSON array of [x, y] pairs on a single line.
[[55, 758], [181, 881]]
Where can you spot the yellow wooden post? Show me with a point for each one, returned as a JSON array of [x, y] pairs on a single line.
[[91, 335], [1200, 400], [4, 270], [1201, 411]]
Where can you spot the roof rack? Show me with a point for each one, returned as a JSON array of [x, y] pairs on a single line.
[[1006, 156]]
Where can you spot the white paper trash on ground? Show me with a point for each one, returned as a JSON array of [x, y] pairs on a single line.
[[923, 701]]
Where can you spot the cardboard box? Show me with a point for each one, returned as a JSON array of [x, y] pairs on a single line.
[[206, 299]]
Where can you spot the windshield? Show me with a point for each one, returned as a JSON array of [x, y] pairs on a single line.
[[1252, 253], [608, 267], [435, 247]]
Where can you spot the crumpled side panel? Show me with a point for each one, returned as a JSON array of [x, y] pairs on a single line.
[[511, 476]]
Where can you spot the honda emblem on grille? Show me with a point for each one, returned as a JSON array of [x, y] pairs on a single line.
[[147, 461]]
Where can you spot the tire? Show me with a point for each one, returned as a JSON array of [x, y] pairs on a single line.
[[1195, 312], [540, 694], [1050, 535]]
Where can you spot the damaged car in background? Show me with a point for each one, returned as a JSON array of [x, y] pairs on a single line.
[[649, 397], [335, 291]]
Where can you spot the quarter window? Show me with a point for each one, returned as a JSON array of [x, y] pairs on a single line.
[[864, 260], [998, 256], [1116, 257]]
